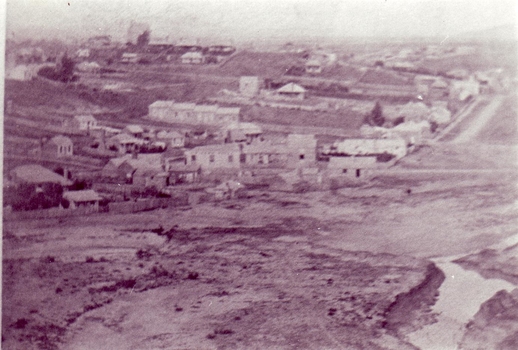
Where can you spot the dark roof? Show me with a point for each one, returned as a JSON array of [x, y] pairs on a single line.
[[36, 174]]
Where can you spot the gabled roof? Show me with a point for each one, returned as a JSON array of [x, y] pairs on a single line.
[[192, 54], [313, 63], [61, 140], [161, 103], [228, 110], [184, 106], [125, 139], [82, 196], [247, 127], [169, 134], [135, 129], [292, 88], [206, 108], [85, 118], [36, 174]]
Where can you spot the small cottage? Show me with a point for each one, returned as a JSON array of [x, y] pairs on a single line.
[[58, 147], [292, 90], [82, 199]]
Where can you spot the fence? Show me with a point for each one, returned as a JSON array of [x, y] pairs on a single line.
[[113, 207], [47, 213]]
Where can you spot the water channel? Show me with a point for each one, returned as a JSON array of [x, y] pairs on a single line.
[[461, 295]]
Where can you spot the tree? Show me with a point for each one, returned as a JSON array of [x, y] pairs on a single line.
[[143, 39], [67, 69], [375, 117]]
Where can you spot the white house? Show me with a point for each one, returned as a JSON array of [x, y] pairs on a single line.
[[363, 147], [292, 90], [313, 67], [192, 57], [225, 156], [249, 86], [84, 122]]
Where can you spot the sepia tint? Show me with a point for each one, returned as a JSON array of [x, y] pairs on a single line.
[[293, 174]]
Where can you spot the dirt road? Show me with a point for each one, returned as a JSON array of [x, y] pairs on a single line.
[[479, 121]]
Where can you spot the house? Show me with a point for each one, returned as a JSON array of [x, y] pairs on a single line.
[[227, 115], [37, 175], [440, 115], [210, 157], [150, 177], [183, 113], [160, 110], [414, 111], [111, 169], [351, 166], [461, 90], [263, 154], [301, 149], [183, 173], [124, 143], [205, 114], [365, 147], [411, 132], [133, 130], [439, 89], [83, 53], [89, 67], [172, 138], [81, 199], [150, 166], [58, 147], [192, 57], [243, 132], [128, 57], [292, 90], [313, 67], [83, 122], [20, 73], [249, 86]]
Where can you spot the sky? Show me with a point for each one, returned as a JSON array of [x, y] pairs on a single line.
[[234, 19]]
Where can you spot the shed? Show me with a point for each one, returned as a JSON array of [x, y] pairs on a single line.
[[85, 198]]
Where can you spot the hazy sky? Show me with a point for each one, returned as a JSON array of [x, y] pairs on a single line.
[[258, 18]]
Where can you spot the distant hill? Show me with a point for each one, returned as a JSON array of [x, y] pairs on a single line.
[[506, 32]]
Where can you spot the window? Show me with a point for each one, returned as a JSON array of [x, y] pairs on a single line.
[[69, 149], [344, 171], [193, 158], [242, 158], [357, 172], [212, 158], [230, 158], [301, 157]]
